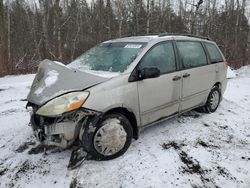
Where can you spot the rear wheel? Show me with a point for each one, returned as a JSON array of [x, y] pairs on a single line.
[[213, 100]]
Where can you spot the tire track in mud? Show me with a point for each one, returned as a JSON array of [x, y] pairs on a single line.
[[192, 166], [25, 171]]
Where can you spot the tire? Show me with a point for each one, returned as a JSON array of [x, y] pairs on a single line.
[[117, 131], [213, 100]]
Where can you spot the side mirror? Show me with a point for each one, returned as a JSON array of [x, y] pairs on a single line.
[[149, 72]]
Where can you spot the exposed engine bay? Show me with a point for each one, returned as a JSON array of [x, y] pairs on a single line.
[[65, 131]]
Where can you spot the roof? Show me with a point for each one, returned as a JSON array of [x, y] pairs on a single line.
[[135, 39], [149, 38]]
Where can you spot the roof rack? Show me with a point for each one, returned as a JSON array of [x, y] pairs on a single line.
[[183, 34], [154, 34]]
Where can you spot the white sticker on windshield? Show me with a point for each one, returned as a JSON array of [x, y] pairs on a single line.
[[133, 46]]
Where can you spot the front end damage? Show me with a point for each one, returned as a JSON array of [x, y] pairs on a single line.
[[56, 99], [74, 128], [63, 131]]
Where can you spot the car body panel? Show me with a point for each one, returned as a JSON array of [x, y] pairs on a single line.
[[196, 87], [158, 97], [115, 93], [54, 79]]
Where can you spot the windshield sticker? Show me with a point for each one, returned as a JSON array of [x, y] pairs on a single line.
[[133, 46]]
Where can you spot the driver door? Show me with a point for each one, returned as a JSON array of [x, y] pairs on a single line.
[[159, 97]]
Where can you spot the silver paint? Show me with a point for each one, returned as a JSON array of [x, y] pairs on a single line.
[[149, 100]]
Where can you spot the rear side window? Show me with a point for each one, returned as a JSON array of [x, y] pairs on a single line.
[[161, 56], [192, 54], [214, 53]]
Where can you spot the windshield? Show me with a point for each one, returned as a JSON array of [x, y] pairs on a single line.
[[112, 57]]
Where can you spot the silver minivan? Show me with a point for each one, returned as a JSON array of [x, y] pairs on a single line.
[[105, 97]]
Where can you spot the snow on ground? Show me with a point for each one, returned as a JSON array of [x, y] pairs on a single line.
[[230, 73], [193, 150]]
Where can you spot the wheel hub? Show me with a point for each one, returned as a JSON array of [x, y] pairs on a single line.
[[215, 99], [110, 138]]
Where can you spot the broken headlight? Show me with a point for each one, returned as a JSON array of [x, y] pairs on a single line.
[[62, 104]]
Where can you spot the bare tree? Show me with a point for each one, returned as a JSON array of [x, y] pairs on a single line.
[[197, 7], [44, 4], [3, 42], [63, 29]]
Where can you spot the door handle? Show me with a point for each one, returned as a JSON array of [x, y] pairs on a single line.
[[186, 75], [176, 78]]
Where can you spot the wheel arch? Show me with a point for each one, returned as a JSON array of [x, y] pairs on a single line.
[[217, 84], [129, 115]]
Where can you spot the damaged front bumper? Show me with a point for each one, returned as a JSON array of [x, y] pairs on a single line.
[[60, 131]]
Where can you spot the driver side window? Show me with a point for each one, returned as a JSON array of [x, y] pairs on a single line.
[[161, 56]]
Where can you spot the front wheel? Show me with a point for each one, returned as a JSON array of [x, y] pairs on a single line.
[[112, 137], [213, 100]]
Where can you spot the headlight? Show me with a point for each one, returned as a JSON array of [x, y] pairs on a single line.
[[65, 103]]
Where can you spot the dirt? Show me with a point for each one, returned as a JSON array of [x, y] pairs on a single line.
[[192, 114], [36, 150], [223, 127], [225, 173], [205, 145], [73, 183], [192, 166], [171, 145], [26, 169], [24, 146], [3, 171], [42, 149], [246, 158], [206, 125]]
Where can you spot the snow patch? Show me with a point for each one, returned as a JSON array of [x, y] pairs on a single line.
[[230, 73], [244, 71], [59, 63], [216, 144], [51, 79]]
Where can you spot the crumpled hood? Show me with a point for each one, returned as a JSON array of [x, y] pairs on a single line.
[[54, 79]]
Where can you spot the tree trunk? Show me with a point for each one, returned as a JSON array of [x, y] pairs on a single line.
[[148, 16], [3, 42], [10, 67], [44, 4], [109, 14]]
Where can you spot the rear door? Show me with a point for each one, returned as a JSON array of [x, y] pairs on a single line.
[[197, 75], [159, 97]]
